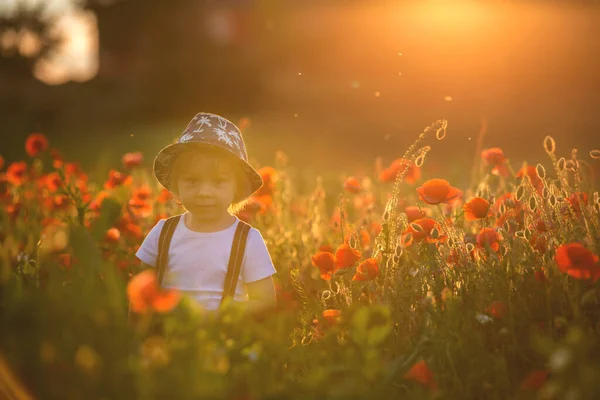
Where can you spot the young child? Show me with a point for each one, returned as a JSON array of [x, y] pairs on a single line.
[[208, 172]]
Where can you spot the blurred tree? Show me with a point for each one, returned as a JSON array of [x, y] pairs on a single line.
[[27, 38], [167, 59]]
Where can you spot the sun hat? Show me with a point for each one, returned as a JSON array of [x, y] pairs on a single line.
[[213, 131]]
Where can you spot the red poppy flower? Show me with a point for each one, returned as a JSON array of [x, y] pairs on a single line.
[[113, 235], [352, 185], [117, 178], [145, 295], [57, 160], [366, 271], [51, 181], [128, 227], [35, 144], [534, 380], [140, 208], [376, 228], [421, 373], [538, 243], [413, 213], [269, 175], [412, 174], [164, 196], [57, 202], [131, 160], [426, 231], [16, 174], [326, 263], [332, 316], [346, 256], [576, 200], [535, 179], [493, 156], [488, 237], [66, 260], [476, 208], [436, 191], [142, 193], [540, 276], [97, 202], [578, 262], [497, 309]]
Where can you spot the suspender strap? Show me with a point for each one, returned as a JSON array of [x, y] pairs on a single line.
[[238, 247], [164, 241]]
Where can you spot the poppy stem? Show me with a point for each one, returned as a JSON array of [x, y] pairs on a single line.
[[342, 217]]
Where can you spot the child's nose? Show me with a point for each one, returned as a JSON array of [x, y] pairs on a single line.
[[204, 188]]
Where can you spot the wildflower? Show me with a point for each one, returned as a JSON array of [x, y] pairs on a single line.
[[497, 309], [113, 235], [494, 157], [16, 173], [352, 185], [413, 173], [531, 172], [576, 200], [66, 260], [421, 373], [346, 256], [97, 201], [164, 196], [366, 271], [538, 243], [140, 208], [332, 316], [488, 237], [57, 202], [51, 181], [116, 179], [424, 229], [476, 208], [326, 263], [131, 160], [145, 295], [534, 380], [35, 144], [578, 262], [57, 160], [363, 201], [539, 275], [142, 193], [436, 191], [269, 175], [413, 213]]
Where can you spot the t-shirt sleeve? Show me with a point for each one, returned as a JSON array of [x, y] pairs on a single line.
[[149, 248], [257, 263]]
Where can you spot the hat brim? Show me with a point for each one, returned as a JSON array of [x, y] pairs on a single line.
[[165, 158]]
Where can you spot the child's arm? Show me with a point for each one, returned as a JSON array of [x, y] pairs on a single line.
[[261, 296]]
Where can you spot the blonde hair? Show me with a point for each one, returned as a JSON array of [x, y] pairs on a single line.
[[192, 152]]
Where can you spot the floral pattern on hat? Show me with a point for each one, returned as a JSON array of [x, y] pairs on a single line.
[[212, 130]]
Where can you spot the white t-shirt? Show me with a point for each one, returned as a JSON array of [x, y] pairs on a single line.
[[197, 261]]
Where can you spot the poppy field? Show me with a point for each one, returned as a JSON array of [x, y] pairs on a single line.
[[392, 283]]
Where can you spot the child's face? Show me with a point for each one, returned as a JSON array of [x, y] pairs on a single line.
[[207, 188]]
